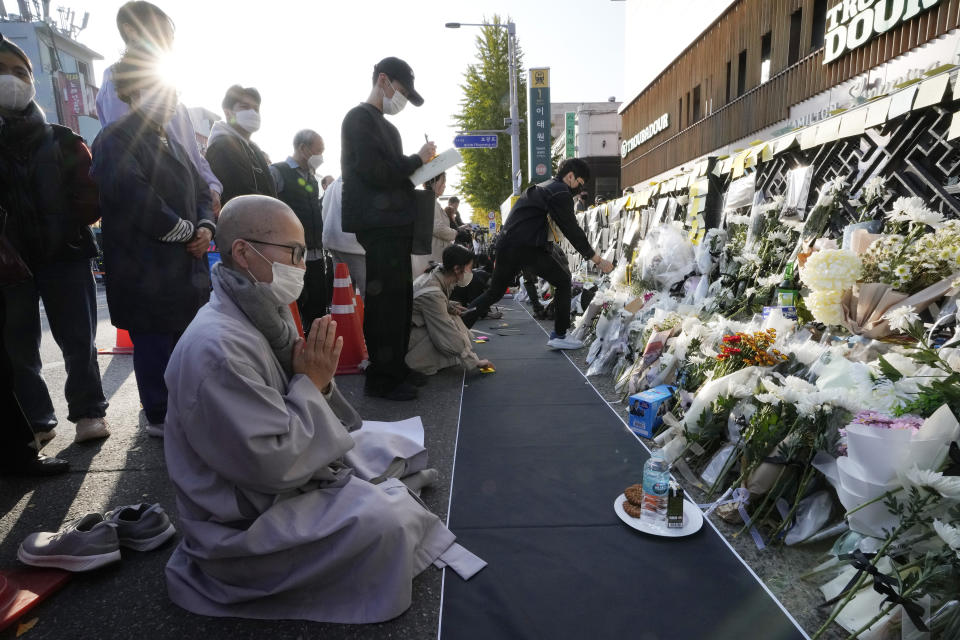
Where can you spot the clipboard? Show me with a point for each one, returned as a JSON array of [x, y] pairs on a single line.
[[447, 159]]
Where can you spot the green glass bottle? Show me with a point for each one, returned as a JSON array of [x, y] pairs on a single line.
[[789, 290]]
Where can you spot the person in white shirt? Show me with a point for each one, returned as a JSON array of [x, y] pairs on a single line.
[[343, 246]]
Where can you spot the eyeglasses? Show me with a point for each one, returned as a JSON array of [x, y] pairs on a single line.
[[297, 251]]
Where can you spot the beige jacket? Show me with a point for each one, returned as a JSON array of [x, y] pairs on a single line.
[[438, 338], [443, 237]]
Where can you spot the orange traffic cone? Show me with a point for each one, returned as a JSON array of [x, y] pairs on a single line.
[[122, 346], [353, 357], [359, 302], [295, 312]]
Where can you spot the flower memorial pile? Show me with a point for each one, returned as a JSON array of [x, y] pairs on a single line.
[[824, 381]]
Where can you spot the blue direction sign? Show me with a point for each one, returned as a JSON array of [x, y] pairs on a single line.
[[475, 142]]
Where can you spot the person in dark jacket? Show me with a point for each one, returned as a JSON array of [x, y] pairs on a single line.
[[242, 168], [157, 224], [49, 200], [526, 242], [298, 188], [379, 206]]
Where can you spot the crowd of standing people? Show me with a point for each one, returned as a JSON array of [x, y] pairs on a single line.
[[262, 449]]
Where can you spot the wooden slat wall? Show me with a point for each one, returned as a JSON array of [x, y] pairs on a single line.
[[742, 27]]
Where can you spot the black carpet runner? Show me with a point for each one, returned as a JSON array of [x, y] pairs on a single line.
[[540, 460]]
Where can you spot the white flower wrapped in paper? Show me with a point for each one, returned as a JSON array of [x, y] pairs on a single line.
[[901, 318], [946, 486], [949, 534], [914, 211], [741, 384], [826, 306], [831, 270]]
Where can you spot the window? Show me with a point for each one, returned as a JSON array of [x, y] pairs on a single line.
[[765, 43], [696, 103], [796, 23], [742, 73], [729, 79], [689, 121], [680, 113], [52, 54], [819, 24], [84, 71]]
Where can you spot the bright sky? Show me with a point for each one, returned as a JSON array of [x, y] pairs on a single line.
[[312, 60]]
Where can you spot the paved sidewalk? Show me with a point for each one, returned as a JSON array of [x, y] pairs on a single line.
[[129, 599]]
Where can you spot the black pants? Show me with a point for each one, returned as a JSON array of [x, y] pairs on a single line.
[[530, 284], [388, 305], [15, 432], [151, 354], [315, 299], [69, 297], [539, 260]]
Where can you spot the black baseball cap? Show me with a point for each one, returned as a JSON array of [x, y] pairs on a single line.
[[397, 69]]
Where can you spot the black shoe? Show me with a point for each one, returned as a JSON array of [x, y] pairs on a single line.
[[40, 465], [400, 393], [470, 317], [417, 379], [539, 314]]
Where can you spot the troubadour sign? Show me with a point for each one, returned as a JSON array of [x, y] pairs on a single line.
[[853, 23], [652, 129]]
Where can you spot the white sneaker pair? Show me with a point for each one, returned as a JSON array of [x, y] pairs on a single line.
[[564, 343]]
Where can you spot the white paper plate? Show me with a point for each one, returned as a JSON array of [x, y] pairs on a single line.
[[692, 520]]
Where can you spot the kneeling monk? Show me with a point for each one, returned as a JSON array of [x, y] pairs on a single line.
[[284, 512]]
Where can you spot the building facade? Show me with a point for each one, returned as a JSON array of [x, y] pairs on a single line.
[[62, 69], [591, 131], [766, 67]]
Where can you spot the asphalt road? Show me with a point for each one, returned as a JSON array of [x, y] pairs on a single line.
[[129, 599]]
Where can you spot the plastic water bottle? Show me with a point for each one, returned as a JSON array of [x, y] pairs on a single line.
[[656, 483]]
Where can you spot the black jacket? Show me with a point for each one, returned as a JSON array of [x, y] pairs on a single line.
[[527, 224], [303, 196], [377, 192], [240, 166], [147, 188], [46, 190]]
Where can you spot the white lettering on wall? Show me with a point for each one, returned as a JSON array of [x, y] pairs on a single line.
[[853, 23], [657, 126], [652, 129]]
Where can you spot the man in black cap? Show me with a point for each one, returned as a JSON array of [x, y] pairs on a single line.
[[378, 205]]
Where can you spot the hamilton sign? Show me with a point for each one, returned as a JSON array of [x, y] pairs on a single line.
[[652, 129], [853, 23]]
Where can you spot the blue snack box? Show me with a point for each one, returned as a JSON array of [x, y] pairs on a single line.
[[647, 409]]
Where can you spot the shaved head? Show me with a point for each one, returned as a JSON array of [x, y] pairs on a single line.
[[256, 217]]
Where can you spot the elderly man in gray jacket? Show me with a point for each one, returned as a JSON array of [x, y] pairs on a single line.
[[286, 510]]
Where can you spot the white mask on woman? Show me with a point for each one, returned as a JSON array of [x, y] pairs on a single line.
[[287, 282], [248, 120], [393, 106], [15, 94], [465, 279]]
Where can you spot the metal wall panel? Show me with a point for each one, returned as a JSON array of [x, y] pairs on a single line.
[[741, 27]]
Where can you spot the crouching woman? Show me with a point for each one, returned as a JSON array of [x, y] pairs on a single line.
[[438, 337]]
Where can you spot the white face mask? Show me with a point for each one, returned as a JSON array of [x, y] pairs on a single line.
[[465, 279], [15, 94], [157, 108], [248, 120], [393, 106], [315, 161], [287, 282]]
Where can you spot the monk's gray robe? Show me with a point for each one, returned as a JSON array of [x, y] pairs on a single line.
[[275, 524]]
